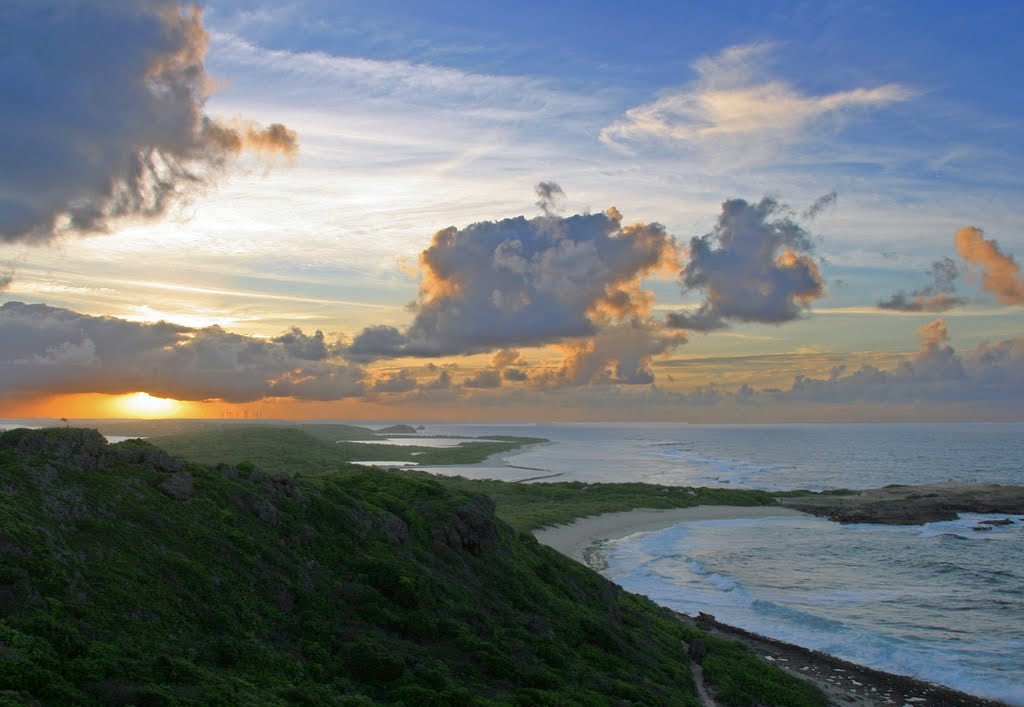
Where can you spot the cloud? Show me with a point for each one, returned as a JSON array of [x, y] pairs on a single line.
[[48, 350], [103, 115], [617, 354], [548, 194], [6, 280], [524, 282], [820, 204], [753, 267], [486, 378], [937, 373], [731, 101], [400, 382], [938, 296], [1000, 272]]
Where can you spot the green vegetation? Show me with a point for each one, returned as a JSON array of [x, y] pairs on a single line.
[[529, 506], [130, 577], [312, 450]]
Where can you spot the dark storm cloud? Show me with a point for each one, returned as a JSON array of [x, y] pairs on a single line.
[[47, 350], [524, 282], [938, 296], [753, 267], [103, 115]]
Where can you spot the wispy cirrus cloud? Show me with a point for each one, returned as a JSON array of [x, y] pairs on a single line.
[[733, 102]]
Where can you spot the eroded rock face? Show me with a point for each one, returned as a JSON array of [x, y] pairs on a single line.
[[394, 528], [471, 528], [83, 448], [149, 455], [178, 486]]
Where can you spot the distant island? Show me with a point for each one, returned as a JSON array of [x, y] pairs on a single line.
[[398, 430]]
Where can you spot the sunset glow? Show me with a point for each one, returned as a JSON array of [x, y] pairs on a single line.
[[147, 406], [726, 222]]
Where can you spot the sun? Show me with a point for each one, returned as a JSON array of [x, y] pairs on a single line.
[[145, 405]]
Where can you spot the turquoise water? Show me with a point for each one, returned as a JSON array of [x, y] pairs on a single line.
[[940, 602]]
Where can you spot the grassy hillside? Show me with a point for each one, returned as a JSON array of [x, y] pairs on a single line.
[[312, 450], [129, 577]]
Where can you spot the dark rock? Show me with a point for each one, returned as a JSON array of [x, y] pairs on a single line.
[[998, 521], [149, 455], [75, 447], [471, 528], [394, 528], [705, 620], [232, 472], [178, 486], [268, 513], [981, 527]]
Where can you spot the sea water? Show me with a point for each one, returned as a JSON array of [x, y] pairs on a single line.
[[941, 602]]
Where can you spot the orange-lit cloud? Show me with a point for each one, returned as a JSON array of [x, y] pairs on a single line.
[[1000, 272], [520, 282], [753, 267]]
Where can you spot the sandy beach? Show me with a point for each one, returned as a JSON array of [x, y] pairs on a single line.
[[576, 537]]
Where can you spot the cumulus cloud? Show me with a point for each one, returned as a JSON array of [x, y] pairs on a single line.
[[620, 353], [6, 280], [731, 100], [103, 115], [1000, 272], [400, 382], [485, 378], [755, 266], [937, 296], [525, 282], [937, 373], [48, 350], [506, 365]]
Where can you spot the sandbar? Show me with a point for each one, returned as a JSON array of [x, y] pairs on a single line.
[[574, 538]]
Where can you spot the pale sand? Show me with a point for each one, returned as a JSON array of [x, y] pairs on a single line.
[[574, 538]]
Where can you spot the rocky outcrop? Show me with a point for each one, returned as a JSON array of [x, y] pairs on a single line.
[[911, 505], [471, 527], [178, 486]]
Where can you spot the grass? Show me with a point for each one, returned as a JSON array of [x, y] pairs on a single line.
[[314, 450]]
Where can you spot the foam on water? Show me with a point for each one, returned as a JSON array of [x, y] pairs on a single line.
[[870, 594]]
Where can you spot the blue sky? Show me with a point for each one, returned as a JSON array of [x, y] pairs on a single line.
[[414, 117]]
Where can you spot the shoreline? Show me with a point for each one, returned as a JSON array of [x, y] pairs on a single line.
[[576, 538], [843, 682]]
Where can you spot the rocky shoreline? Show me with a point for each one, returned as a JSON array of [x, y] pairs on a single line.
[[911, 505], [844, 683]]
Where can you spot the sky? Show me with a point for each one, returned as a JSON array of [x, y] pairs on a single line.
[[700, 212]]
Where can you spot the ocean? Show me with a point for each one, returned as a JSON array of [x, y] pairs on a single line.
[[939, 602]]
